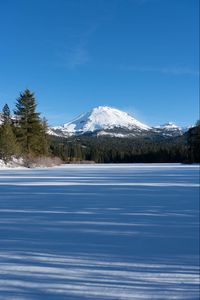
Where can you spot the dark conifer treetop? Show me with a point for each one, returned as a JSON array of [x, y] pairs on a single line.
[[26, 107], [6, 114]]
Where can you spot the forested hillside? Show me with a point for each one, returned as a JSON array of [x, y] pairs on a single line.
[[185, 148], [120, 150]]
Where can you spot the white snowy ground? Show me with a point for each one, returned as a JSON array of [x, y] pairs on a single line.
[[99, 232], [14, 163]]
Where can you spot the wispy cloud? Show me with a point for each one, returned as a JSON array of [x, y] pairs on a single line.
[[77, 56], [75, 46], [75, 51], [163, 70]]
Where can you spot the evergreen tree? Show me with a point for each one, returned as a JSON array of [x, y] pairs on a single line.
[[194, 143], [44, 139], [197, 123], [30, 131], [8, 144], [6, 114]]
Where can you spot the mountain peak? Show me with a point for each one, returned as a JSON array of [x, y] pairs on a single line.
[[169, 125], [110, 121], [101, 118]]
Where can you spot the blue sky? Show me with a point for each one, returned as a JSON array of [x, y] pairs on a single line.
[[137, 55]]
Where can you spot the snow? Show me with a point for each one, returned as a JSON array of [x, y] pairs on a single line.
[[13, 118], [84, 232], [169, 126], [109, 121], [116, 135], [51, 132], [13, 163], [99, 118]]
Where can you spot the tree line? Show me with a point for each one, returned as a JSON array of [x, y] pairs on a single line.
[[183, 149], [25, 134]]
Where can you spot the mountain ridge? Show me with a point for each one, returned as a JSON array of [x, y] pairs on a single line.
[[110, 121]]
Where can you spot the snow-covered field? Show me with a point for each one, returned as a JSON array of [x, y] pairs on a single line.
[[99, 232]]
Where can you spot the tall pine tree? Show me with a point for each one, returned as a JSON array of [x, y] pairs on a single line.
[[29, 125]]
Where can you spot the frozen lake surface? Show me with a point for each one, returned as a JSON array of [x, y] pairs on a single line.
[[99, 232]]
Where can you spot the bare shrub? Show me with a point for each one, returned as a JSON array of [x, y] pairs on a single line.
[[43, 161]]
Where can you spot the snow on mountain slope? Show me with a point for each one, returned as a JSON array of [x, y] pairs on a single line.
[[168, 126], [169, 130], [101, 118]]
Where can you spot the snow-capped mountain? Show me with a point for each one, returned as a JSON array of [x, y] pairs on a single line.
[[168, 126], [169, 129], [109, 121], [98, 119]]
